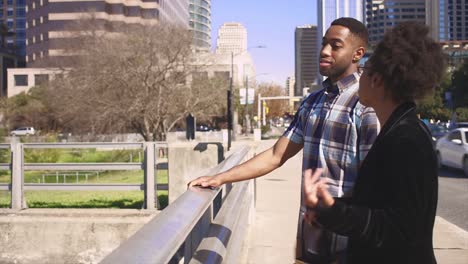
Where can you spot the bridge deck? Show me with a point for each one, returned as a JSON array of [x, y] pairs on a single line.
[[273, 234]]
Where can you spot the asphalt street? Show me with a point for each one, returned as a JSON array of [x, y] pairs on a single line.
[[453, 193], [453, 197]]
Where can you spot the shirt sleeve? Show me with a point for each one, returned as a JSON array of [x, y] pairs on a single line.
[[295, 131]]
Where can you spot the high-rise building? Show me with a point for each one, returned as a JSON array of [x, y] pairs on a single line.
[[231, 50], [200, 23], [13, 16], [290, 87], [382, 15], [453, 20], [48, 22], [232, 38], [174, 12], [306, 58], [329, 10]]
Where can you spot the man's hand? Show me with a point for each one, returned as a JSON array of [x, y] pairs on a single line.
[[316, 190], [206, 181]]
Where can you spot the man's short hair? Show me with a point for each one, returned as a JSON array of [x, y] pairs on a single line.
[[356, 27]]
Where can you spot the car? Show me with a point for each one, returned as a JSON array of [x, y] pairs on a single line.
[[461, 124], [437, 131], [203, 128], [452, 149], [23, 131]]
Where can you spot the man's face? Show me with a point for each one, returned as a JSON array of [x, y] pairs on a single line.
[[337, 53]]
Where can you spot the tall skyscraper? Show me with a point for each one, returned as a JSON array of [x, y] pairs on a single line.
[[232, 37], [231, 50], [174, 12], [329, 10], [200, 23], [382, 15], [49, 22], [13, 16], [453, 20], [306, 58]]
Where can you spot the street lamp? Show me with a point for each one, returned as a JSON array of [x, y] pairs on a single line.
[[229, 93], [246, 108]]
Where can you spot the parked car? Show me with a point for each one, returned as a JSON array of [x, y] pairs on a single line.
[[461, 124], [23, 131], [437, 131], [452, 149]]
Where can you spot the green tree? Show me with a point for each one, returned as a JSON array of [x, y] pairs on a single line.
[[432, 107], [459, 87]]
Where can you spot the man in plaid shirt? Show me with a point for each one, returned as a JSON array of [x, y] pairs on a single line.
[[332, 127]]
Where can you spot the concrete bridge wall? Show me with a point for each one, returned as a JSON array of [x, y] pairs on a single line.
[[65, 235]]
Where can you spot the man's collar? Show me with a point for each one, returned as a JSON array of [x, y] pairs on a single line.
[[341, 85]]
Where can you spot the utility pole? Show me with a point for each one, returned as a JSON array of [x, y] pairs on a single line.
[[229, 103]]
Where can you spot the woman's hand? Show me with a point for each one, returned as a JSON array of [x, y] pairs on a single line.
[[316, 190]]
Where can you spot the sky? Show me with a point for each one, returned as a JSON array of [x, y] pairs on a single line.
[[268, 22]]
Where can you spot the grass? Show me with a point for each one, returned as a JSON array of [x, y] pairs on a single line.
[[87, 199], [82, 199]]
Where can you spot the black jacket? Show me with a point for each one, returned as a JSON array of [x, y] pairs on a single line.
[[391, 215]]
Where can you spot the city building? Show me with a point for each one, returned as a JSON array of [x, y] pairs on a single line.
[[231, 51], [8, 59], [22, 79], [174, 12], [382, 15], [306, 58], [13, 16], [48, 23], [453, 20], [290, 87], [329, 10], [232, 38], [200, 23]]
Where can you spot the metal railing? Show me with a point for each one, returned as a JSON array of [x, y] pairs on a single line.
[[199, 227], [18, 166]]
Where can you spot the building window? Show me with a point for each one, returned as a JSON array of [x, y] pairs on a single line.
[[21, 80], [40, 79]]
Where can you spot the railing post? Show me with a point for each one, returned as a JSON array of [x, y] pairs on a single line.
[[17, 175], [149, 175]]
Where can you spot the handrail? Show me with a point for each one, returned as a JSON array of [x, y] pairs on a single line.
[[160, 239]]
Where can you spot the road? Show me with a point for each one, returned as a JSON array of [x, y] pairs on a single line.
[[453, 197], [453, 193]]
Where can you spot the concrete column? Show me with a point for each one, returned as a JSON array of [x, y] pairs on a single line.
[[188, 160], [17, 175], [149, 176]]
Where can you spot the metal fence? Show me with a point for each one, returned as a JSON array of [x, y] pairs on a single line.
[[18, 166], [201, 226]]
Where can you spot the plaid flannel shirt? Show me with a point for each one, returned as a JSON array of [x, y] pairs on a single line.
[[337, 132]]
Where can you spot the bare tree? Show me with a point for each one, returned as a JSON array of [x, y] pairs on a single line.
[[138, 78]]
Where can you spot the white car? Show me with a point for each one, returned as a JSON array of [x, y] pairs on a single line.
[[452, 149], [23, 131]]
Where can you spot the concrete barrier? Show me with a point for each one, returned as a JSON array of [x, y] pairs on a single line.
[[189, 160], [66, 235]]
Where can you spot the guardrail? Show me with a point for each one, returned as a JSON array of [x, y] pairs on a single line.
[[199, 227], [18, 166]]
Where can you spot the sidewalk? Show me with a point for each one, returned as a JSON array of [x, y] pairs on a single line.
[[273, 233]]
